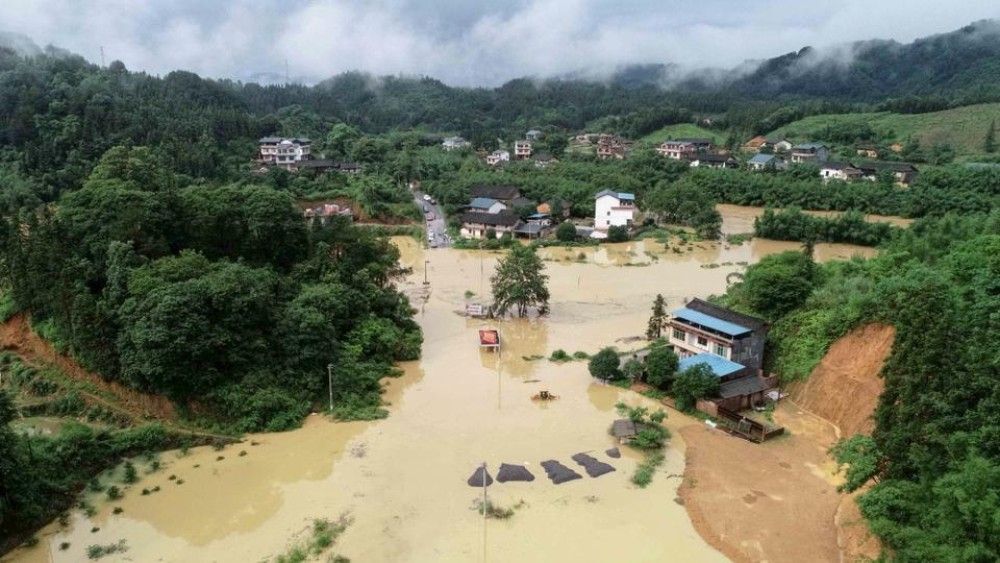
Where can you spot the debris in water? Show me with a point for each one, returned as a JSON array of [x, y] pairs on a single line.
[[543, 396], [477, 478], [359, 450], [594, 467], [559, 473], [512, 472], [614, 452]]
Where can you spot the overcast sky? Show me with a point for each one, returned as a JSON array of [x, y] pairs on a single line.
[[464, 42]]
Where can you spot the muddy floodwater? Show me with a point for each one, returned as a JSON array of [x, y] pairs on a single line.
[[402, 480], [739, 218]]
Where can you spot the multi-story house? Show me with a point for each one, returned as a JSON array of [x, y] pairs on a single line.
[[810, 152], [612, 209], [701, 330], [685, 148], [284, 152], [612, 146], [522, 150]]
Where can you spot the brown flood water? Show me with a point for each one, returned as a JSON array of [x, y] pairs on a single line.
[[739, 218], [403, 479]]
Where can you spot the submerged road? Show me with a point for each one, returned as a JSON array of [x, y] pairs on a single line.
[[437, 228]]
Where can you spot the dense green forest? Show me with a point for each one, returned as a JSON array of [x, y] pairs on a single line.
[[934, 459]]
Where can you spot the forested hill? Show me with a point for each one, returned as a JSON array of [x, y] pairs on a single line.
[[959, 67], [961, 64]]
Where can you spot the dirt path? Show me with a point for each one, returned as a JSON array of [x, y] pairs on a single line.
[[778, 501]]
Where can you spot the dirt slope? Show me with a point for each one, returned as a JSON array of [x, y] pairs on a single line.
[[778, 501], [16, 335], [845, 386]]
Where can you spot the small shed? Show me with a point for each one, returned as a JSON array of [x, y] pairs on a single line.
[[623, 429]]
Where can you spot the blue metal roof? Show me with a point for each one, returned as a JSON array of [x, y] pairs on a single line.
[[762, 158], [626, 195], [482, 202], [719, 365], [697, 317]]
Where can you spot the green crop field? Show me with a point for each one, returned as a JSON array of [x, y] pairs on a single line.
[[963, 128], [681, 130]]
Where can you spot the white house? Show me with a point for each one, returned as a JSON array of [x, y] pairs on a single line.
[[612, 209], [455, 143], [496, 157], [284, 152], [838, 171], [533, 135]]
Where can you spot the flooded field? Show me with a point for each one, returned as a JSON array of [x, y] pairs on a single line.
[[402, 480], [739, 218]]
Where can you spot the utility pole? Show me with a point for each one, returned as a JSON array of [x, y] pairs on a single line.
[[102, 56], [426, 262], [329, 382]]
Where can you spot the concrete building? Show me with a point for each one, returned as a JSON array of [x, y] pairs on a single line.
[[612, 209], [284, 152]]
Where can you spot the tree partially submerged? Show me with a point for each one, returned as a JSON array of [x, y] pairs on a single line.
[[519, 283], [658, 319]]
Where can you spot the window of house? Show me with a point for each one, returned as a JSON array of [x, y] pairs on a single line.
[[703, 342], [679, 334], [720, 350]]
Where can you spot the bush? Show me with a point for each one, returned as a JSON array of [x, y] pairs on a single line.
[[618, 233], [643, 475], [696, 382], [560, 355], [566, 232], [604, 364], [661, 365]]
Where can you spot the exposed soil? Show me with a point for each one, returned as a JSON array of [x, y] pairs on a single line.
[[16, 335], [845, 386], [778, 501]]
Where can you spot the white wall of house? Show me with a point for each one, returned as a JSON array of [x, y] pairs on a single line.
[[694, 343], [609, 211]]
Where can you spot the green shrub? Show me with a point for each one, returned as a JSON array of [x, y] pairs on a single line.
[[604, 365], [559, 355]]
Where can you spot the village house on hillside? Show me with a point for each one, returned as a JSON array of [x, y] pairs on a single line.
[[903, 173], [713, 160], [731, 344], [498, 157], [284, 152], [505, 194], [612, 146], [295, 154], [831, 170], [455, 143], [522, 150], [612, 209], [544, 160], [534, 135], [684, 148], [777, 143], [766, 162], [866, 150], [810, 152], [486, 205]]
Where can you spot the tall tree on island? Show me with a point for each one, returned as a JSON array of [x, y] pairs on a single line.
[[658, 320], [519, 283]]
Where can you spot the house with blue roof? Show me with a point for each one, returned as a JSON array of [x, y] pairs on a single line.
[[766, 162], [730, 343]]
